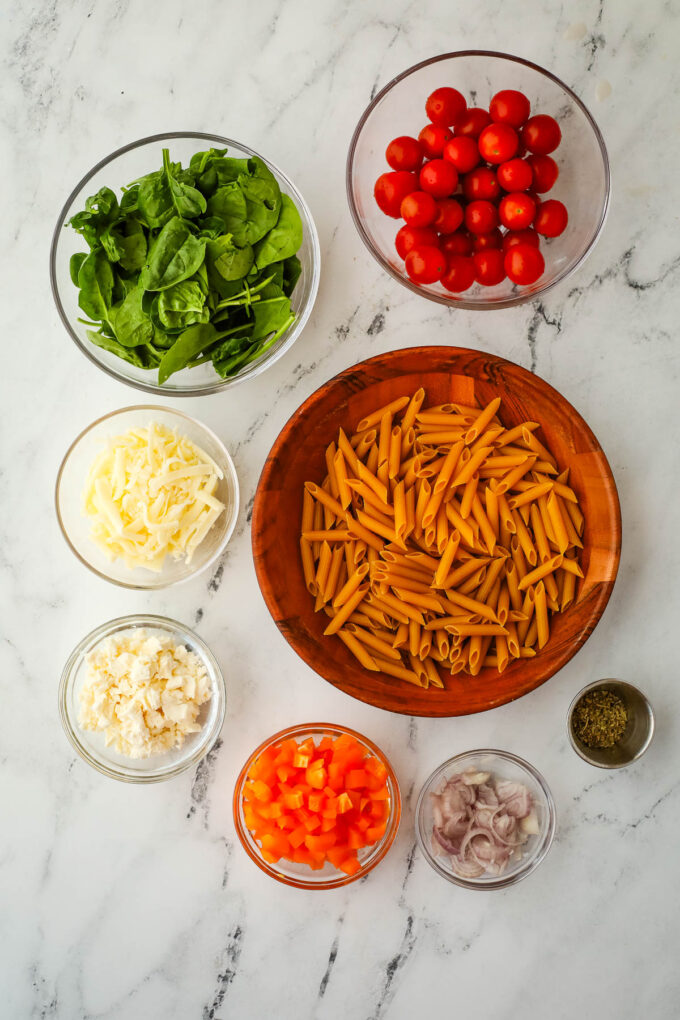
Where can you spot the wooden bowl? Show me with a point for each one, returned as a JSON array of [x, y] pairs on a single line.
[[447, 374]]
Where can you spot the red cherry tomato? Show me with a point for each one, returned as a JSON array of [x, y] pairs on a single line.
[[515, 175], [449, 216], [410, 237], [404, 153], [481, 217], [489, 266], [439, 177], [545, 172], [524, 264], [425, 264], [419, 209], [462, 152], [445, 106], [433, 138], [472, 123], [541, 134], [391, 188], [552, 218], [514, 237], [484, 242], [457, 244], [460, 274], [510, 107], [498, 143], [481, 183], [517, 210]]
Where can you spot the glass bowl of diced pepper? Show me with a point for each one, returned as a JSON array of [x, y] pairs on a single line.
[[317, 806]]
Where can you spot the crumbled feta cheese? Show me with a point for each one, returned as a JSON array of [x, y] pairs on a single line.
[[143, 692]]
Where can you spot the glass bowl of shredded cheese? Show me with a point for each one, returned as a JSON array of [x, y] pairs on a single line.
[[147, 497], [142, 699]]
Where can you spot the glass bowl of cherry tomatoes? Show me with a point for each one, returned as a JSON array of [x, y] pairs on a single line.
[[317, 806], [478, 179]]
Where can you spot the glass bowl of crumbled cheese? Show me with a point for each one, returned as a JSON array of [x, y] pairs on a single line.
[[147, 497], [142, 699]]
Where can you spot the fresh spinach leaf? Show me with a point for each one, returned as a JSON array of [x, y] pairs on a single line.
[[74, 265], [292, 268], [187, 200], [229, 203], [284, 239], [175, 255], [182, 305], [142, 357], [192, 342], [130, 322], [229, 260], [95, 279]]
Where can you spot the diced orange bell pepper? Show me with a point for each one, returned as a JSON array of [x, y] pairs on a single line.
[[375, 832], [301, 761], [297, 836], [293, 800], [320, 843], [350, 866], [337, 854], [328, 824], [344, 803], [356, 779], [316, 777], [284, 772], [313, 823], [315, 801], [355, 838]]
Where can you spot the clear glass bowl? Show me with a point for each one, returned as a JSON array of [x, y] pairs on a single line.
[[120, 168], [502, 765], [91, 747], [76, 527], [399, 109], [300, 875]]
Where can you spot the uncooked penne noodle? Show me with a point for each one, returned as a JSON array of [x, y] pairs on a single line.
[[333, 535], [469, 493], [366, 475], [571, 567], [461, 573], [467, 534], [384, 435], [360, 618], [419, 599], [533, 443], [372, 419], [545, 517], [440, 436], [475, 629], [410, 511], [541, 539], [514, 434], [551, 591], [394, 460], [502, 652], [482, 420], [577, 518], [448, 467], [371, 522], [323, 567], [503, 605], [557, 521], [475, 654], [442, 535], [366, 637], [307, 511], [367, 440], [513, 476], [541, 614], [493, 572], [353, 582], [344, 493], [345, 611], [392, 669], [308, 567], [487, 532], [348, 451], [333, 573], [369, 496], [432, 673], [492, 509], [442, 641], [574, 540], [444, 567], [371, 461], [528, 607], [526, 653], [472, 583], [425, 644], [418, 668], [512, 581], [396, 608], [399, 500], [568, 590], [358, 650], [362, 534], [518, 558], [512, 640], [411, 413], [359, 550], [443, 418], [330, 467], [325, 499], [541, 571], [469, 468], [401, 637], [472, 605], [525, 540]]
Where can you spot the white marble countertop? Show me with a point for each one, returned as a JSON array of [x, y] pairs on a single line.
[[123, 903]]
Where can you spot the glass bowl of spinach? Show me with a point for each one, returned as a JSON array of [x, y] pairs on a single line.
[[184, 263]]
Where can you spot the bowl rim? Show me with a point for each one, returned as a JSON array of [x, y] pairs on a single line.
[[231, 470], [220, 384], [381, 848], [442, 299], [377, 369], [500, 881], [580, 748], [90, 641]]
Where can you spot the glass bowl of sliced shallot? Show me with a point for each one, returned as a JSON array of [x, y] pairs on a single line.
[[485, 819]]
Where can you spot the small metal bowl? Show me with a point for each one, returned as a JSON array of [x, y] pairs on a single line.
[[638, 733]]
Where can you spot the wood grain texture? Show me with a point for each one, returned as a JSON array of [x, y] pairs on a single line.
[[447, 374]]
